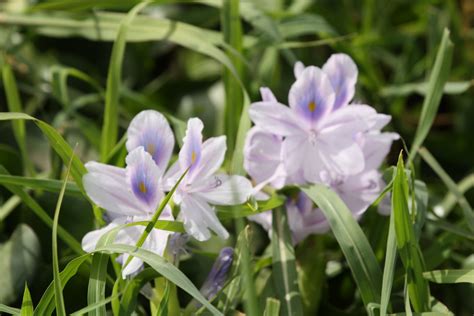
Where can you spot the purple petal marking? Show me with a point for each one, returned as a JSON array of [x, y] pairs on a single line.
[[144, 176], [190, 154], [342, 72], [312, 95]]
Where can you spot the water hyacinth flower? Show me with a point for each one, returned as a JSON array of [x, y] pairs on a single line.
[[128, 195], [320, 138], [203, 186], [316, 138]]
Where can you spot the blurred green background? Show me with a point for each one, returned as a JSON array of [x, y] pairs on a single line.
[[394, 44]]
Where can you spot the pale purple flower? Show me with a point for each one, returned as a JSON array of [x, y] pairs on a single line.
[[203, 186], [128, 195], [315, 138]]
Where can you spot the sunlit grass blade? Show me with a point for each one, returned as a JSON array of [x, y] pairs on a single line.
[[225, 212], [450, 276], [26, 304], [421, 88], [453, 188], [407, 243], [42, 214], [14, 105], [9, 310], [354, 244], [165, 268], [111, 111], [60, 146], [285, 277], [46, 305], [163, 306], [272, 307], [58, 288], [438, 77]]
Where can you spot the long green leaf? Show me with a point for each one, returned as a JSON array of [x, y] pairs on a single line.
[[407, 243], [450, 276], [163, 267], [26, 304], [58, 289], [42, 214], [41, 184], [450, 200], [389, 267], [453, 188], [9, 310], [46, 304], [439, 76], [272, 307], [96, 288], [111, 111], [285, 277], [351, 239]]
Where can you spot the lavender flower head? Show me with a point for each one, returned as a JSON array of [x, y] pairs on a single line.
[[320, 138], [219, 273]]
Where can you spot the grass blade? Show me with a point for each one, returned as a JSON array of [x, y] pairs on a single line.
[[9, 310], [354, 244], [165, 268], [438, 78], [285, 277], [389, 267], [272, 307], [407, 243], [232, 31], [40, 184], [453, 188], [110, 126], [26, 304], [58, 293], [96, 288], [450, 276]]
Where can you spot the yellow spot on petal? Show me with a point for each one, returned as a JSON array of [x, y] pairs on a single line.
[[150, 148], [312, 106], [142, 187], [193, 156]]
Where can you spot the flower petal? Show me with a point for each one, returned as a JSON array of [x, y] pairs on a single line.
[[199, 217], [143, 177], [110, 192], [274, 118], [267, 95], [293, 153], [262, 156], [312, 95], [342, 72], [212, 157], [376, 146], [298, 69], [89, 241], [151, 130], [190, 153], [222, 189]]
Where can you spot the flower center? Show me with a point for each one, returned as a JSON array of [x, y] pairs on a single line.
[[313, 135], [312, 106], [142, 187], [150, 148]]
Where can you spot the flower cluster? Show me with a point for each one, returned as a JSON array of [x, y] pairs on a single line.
[[134, 193], [321, 137]]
